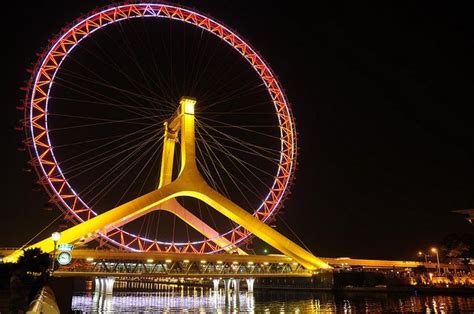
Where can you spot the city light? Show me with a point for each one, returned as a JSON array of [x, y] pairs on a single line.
[[150, 260], [188, 104], [89, 259], [55, 236]]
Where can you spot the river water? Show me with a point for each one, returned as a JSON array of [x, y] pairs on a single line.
[[203, 300]]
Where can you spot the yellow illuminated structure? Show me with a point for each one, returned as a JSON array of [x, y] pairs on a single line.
[[190, 183]]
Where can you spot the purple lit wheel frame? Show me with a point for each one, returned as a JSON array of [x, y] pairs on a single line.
[[42, 152]]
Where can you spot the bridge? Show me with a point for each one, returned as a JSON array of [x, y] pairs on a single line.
[[101, 263]]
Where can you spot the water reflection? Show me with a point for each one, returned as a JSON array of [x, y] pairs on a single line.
[[203, 300]]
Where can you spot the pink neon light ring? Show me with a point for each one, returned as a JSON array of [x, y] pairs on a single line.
[[41, 150]]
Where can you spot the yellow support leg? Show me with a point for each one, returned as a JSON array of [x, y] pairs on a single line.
[[188, 183]]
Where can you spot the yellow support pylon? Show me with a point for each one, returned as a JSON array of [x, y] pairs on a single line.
[[189, 183]]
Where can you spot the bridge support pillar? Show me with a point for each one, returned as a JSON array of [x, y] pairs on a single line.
[[250, 282], [236, 288], [227, 283], [216, 282], [97, 285], [109, 285]]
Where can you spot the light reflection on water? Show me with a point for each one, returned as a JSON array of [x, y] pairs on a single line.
[[203, 300]]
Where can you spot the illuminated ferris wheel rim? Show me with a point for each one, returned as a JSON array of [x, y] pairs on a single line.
[[48, 168]]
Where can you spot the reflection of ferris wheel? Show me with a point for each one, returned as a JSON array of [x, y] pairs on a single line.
[[96, 105]]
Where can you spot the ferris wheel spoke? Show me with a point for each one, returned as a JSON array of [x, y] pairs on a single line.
[[249, 87], [119, 69], [132, 96], [248, 110], [247, 148], [125, 121], [237, 150], [221, 187], [116, 178], [145, 129], [93, 73], [162, 84], [218, 187], [202, 70], [245, 144], [97, 160], [132, 56], [79, 117], [226, 171], [92, 163], [126, 108], [101, 98], [90, 141], [76, 87], [154, 152], [200, 65], [242, 163], [209, 174], [247, 129]]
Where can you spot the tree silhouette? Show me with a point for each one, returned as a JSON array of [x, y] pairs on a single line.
[[34, 260], [459, 246]]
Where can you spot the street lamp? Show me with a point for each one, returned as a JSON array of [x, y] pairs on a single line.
[[55, 237], [420, 254], [435, 250]]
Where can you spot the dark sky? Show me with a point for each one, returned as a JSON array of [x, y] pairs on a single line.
[[383, 102]]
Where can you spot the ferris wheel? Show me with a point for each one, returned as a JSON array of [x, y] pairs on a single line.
[[98, 111]]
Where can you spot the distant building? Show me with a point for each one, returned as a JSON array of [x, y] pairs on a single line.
[[469, 213]]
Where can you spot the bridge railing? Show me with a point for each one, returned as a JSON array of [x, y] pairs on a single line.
[[187, 267], [44, 302]]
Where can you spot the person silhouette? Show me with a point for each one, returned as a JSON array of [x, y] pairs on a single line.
[[18, 295]]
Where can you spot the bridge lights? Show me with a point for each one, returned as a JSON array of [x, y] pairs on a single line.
[[186, 261], [89, 259], [235, 262], [203, 262], [265, 263], [150, 260], [250, 263], [219, 262], [168, 261]]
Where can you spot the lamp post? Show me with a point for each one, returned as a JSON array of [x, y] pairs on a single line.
[[420, 254], [435, 250], [55, 237]]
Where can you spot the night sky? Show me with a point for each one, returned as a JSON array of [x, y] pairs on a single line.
[[383, 102]]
